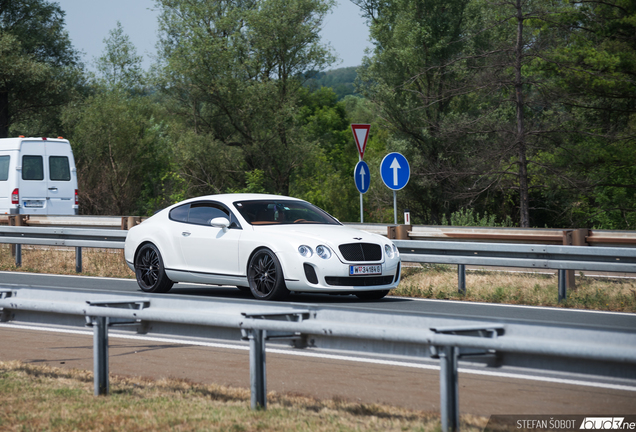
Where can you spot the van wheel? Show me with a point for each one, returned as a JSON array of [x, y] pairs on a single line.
[[150, 272]]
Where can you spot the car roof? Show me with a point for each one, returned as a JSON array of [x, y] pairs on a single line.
[[229, 199]]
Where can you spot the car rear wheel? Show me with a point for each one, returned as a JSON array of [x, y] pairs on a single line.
[[150, 272], [372, 295], [265, 276]]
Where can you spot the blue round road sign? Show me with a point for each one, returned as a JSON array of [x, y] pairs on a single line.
[[395, 171], [362, 176]]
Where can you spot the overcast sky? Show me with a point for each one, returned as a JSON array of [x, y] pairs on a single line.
[[89, 21]]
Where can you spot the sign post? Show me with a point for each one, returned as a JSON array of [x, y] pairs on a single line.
[[395, 172], [361, 171], [362, 177]]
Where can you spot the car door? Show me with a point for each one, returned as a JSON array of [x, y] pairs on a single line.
[[33, 184], [207, 249], [61, 179], [5, 187]]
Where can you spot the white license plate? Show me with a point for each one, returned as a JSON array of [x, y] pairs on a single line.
[[34, 204], [356, 270]]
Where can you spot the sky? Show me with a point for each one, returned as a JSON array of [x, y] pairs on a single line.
[[89, 21]]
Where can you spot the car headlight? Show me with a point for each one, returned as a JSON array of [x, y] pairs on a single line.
[[388, 251], [323, 252], [305, 251]]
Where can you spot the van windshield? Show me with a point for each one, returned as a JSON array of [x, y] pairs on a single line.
[[274, 212]]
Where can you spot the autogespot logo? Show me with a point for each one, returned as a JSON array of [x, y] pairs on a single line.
[[607, 423]]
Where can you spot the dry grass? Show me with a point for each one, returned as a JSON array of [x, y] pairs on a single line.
[[440, 282], [95, 262], [424, 281], [42, 398]]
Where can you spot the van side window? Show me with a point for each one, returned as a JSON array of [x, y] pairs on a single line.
[[32, 168], [4, 167], [59, 169]]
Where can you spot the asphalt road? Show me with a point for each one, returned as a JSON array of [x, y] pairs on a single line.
[[323, 378], [413, 386], [443, 308]]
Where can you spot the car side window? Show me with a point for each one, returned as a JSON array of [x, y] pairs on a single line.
[[180, 214], [4, 167], [203, 213]]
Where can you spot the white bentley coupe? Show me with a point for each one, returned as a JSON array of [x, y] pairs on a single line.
[[267, 244]]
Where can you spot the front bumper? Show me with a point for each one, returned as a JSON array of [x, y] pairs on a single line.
[[333, 276]]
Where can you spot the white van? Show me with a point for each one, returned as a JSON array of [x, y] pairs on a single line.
[[37, 176]]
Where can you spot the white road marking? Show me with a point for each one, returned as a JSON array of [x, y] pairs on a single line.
[[465, 302], [331, 357]]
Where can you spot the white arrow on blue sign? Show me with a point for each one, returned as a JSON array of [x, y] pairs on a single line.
[[395, 171], [362, 176]]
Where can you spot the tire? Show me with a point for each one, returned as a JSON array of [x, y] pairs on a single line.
[[150, 271], [265, 276], [371, 295]]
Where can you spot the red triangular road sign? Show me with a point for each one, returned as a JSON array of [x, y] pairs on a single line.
[[360, 135]]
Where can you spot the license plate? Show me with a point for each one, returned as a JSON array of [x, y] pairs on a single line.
[[358, 270], [34, 204]]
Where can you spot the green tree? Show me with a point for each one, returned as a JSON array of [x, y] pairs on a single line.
[[413, 78], [234, 72], [37, 64], [592, 176], [121, 146], [120, 66]]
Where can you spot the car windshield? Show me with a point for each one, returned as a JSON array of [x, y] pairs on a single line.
[[274, 212]]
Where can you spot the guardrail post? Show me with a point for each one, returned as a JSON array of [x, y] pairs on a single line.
[[575, 237], [563, 288], [16, 250], [461, 278], [258, 370], [449, 388], [398, 232], [78, 259], [100, 354]]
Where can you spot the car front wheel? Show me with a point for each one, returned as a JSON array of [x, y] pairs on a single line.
[[265, 276], [150, 272]]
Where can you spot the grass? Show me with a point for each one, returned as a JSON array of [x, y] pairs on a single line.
[[440, 282], [43, 398], [95, 262], [433, 281]]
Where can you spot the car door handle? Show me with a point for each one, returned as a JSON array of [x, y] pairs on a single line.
[[185, 233], [52, 188]]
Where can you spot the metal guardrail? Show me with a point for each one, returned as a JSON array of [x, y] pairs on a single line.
[[552, 236], [597, 351], [66, 237], [414, 232], [70, 237], [561, 258]]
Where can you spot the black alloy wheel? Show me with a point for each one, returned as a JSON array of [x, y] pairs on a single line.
[[265, 276], [372, 295], [150, 272]]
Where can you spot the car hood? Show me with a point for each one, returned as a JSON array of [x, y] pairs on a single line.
[[332, 235]]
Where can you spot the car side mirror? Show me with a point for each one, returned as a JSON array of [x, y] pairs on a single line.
[[220, 222]]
